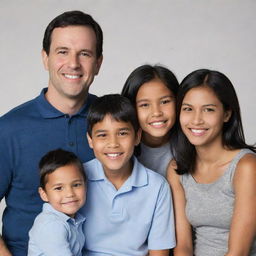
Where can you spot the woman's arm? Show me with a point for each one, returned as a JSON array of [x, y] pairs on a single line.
[[183, 228], [158, 253], [243, 225]]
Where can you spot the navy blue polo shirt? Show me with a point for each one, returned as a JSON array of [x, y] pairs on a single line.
[[26, 133]]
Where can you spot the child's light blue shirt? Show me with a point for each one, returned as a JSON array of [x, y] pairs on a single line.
[[132, 220], [56, 234]]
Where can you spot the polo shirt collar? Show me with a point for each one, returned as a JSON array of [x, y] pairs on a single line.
[[138, 178], [78, 218], [48, 111]]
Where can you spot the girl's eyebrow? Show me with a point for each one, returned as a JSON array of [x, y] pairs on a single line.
[[165, 96]]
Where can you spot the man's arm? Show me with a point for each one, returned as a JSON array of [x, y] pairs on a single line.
[[3, 249]]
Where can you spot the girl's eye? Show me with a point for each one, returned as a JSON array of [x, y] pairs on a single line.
[[165, 101]]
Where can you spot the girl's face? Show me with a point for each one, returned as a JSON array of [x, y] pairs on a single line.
[[155, 105], [202, 116]]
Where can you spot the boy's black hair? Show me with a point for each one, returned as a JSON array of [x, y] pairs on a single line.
[[56, 159], [115, 105]]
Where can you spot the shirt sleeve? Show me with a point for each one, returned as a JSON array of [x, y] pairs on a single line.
[[162, 231], [5, 163], [51, 239]]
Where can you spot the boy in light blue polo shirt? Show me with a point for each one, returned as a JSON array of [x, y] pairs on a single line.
[[128, 207], [57, 230]]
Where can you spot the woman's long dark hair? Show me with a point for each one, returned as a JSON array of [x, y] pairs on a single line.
[[232, 133]]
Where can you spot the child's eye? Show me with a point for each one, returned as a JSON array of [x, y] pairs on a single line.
[[78, 184], [123, 133], [59, 188], [166, 101], [101, 135]]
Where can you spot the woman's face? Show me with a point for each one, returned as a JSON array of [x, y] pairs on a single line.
[[202, 116]]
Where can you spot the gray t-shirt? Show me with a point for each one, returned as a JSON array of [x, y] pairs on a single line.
[[156, 159], [209, 209]]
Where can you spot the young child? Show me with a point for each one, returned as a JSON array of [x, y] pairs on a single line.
[[57, 230], [129, 207], [152, 90]]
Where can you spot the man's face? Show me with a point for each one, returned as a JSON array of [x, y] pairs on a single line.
[[72, 62]]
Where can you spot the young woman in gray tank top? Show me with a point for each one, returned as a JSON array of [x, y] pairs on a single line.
[[213, 177]]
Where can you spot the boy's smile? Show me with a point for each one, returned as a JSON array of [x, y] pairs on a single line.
[[113, 144], [65, 190]]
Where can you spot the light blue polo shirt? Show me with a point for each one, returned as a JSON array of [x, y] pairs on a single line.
[[132, 220], [56, 234]]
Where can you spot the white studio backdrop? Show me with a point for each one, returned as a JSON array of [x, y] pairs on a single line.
[[182, 35]]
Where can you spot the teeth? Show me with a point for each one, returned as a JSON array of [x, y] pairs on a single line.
[[114, 155], [157, 123], [197, 131], [72, 76]]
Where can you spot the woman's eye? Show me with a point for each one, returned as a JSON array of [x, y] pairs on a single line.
[[209, 110], [186, 109], [165, 101]]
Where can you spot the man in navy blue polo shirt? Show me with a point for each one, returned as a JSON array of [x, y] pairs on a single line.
[[72, 54]]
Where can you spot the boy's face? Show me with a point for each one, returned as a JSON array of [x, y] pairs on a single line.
[[65, 190], [113, 144]]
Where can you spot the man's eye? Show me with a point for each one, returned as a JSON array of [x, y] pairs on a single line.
[[85, 54], [62, 52]]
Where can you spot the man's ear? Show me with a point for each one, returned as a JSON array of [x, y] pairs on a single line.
[[89, 140], [98, 65], [45, 59], [138, 137], [227, 115], [43, 194]]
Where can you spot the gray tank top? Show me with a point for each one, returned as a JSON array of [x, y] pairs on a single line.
[[209, 209]]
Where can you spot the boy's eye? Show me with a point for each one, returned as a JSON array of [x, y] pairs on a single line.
[[123, 133], [59, 188], [101, 135], [78, 184]]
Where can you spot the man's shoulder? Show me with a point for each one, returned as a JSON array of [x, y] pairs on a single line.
[[19, 111]]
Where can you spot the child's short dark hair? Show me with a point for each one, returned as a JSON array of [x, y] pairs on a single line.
[[56, 159], [115, 105]]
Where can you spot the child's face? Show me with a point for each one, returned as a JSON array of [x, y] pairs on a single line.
[[155, 105], [113, 144], [65, 190]]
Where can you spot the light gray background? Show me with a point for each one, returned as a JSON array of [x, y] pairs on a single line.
[[183, 35]]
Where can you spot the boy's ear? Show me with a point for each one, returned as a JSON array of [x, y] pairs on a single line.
[[42, 194], [138, 137], [89, 140]]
